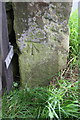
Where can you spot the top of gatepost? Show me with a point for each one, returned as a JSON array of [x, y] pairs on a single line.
[[36, 1]]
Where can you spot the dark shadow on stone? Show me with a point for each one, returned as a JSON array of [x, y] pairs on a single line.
[[12, 40]]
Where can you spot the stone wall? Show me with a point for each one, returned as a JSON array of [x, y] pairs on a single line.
[[42, 36]]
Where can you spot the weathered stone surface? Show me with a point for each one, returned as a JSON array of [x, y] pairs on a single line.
[[43, 38]]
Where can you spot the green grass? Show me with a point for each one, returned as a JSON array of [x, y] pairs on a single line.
[[74, 42], [41, 103], [53, 103]]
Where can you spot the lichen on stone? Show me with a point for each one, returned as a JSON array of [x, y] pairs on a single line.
[[42, 39]]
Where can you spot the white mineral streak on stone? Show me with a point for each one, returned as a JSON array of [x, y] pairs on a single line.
[[21, 46], [38, 13], [18, 34], [29, 21], [34, 18], [34, 33], [52, 6], [23, 20], [31, 4], [23, 13], [24, 31]]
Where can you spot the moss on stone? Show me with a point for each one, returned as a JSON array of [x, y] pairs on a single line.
[[43, 42], [38, 67]]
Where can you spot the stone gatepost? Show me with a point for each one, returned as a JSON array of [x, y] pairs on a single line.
[[42, 36]]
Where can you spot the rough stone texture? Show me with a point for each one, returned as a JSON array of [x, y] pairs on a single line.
[[43, 38]]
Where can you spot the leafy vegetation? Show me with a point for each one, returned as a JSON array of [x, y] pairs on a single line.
[[51, 102], [73, 24], [54, 102]]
